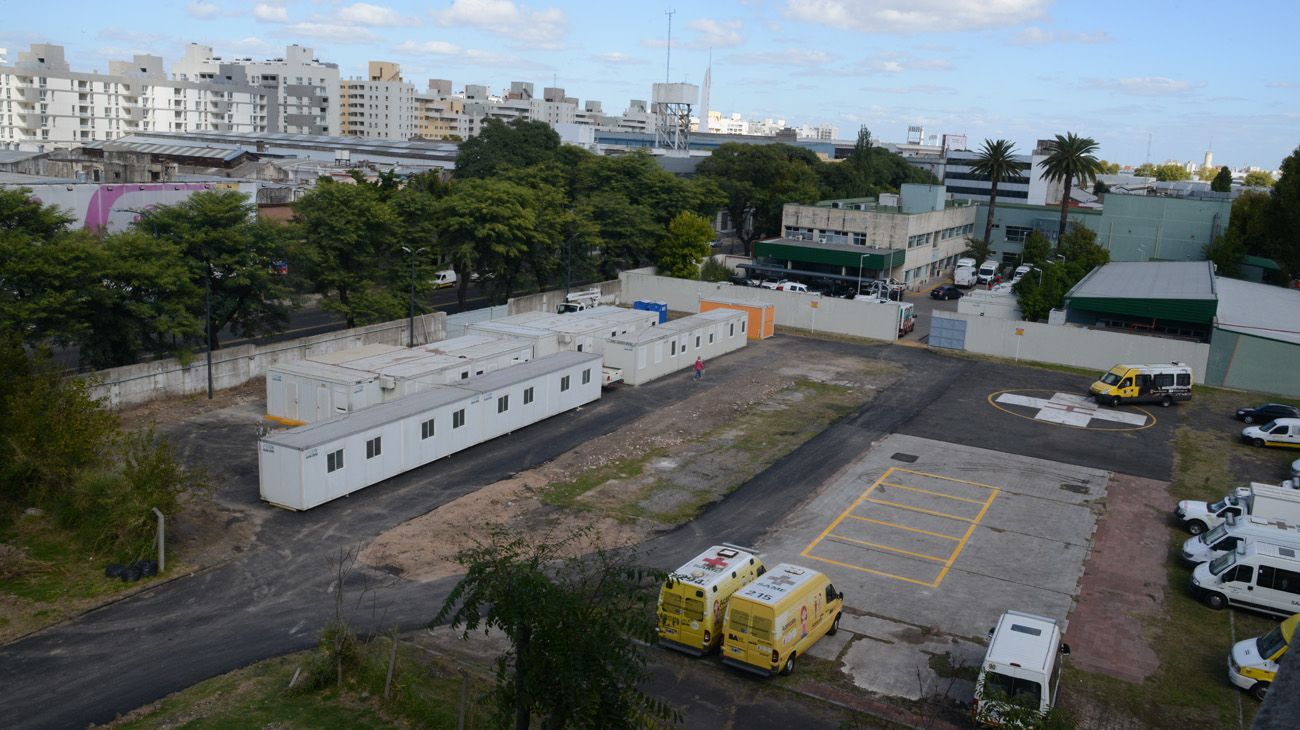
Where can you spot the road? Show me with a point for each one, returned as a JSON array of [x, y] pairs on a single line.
[[276, 597]]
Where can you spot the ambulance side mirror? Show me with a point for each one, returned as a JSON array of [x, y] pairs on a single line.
[[1065, 649]]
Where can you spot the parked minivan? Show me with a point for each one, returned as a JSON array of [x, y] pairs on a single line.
[[444, 278], [1258, 575], [774, 620], [988, 272], [694, 598], [1161, 384], [1022, 665], [1235, 532]]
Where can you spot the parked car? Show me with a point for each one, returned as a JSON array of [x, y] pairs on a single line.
[[1020, 272], [1267, 412], [947, 291], [1278, 432]]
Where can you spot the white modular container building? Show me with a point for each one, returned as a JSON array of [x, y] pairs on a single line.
[[583, 331], [675, 344], [304, 391], [543, 342], [479, 354], [307, 466], [354, 353]]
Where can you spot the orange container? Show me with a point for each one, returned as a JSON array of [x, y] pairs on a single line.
[[762, 316]]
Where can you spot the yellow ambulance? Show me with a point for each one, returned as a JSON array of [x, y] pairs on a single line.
[[694, 598], [1252, 663], [775, 619], [1163, 384]]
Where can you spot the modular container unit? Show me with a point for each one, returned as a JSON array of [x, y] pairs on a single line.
[[307, 466], [584, 331], [649, 306], [303, 391], [339, 357], [762, 315], [674, 345], [543, 342]]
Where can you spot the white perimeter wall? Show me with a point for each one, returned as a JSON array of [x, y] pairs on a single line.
[[803, 311], [1075, 346]]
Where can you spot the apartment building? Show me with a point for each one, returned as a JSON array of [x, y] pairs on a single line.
[[380, 106], [305, 90], [44, 104]]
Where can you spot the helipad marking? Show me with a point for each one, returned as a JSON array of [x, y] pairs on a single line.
[[1071, 410]]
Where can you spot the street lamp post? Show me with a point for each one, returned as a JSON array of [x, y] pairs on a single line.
[[207, 318], [861, 259], [410, 329]]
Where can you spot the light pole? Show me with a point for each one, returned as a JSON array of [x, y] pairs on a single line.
[[568, 261], [207, 318], [410, 329], [861, 259]]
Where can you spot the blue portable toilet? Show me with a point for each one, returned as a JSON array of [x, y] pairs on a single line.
[[646, 305]]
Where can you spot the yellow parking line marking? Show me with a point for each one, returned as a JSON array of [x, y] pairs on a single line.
[[918, 509], [944, 478], [908, 553], [962, 545], [933, 493], [905, 527], [835, 523], [866, 570]]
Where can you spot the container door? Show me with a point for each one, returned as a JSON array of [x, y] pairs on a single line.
[[640, 358], [291, 399]]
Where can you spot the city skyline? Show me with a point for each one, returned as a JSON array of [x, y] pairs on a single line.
[[1120, 73]]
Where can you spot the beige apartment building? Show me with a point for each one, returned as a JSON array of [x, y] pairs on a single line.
[[380, 106]]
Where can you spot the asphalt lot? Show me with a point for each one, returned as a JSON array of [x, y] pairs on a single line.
[[274, 597]]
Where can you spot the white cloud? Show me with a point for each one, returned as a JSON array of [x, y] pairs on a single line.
[[1035, 36], [469, 55], [526, 27], [1145, 86], [1281, 85], [716, 33], [928, 89], [916, 16], [330, 32], [270, 13], [788, 57], [614, 58], [203, 9], [378, 15], [898, 63], [436, 48]]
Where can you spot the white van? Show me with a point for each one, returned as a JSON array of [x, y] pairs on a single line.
[[988, 271], [1261, 501], [1022, 665], [444, 279], [966, 262], [792, 286], [1236, 532], [964, 276], [1259, 575], [1278, 432]]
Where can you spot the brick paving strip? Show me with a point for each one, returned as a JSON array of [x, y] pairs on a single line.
[[1123, 582]]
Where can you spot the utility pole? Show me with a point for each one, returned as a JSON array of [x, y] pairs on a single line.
[[668, 62], [410, 328], [207, 310]]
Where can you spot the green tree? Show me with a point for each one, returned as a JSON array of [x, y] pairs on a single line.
[[995, 163], [1077, 253], [1258, 179], [758, 181], [1107, 168], [1036, 249], [351, 250], [1168, 172], [980, 250], [1222, 182], [228, 249], [576, 628], [685, 246], [1283, 218], [21, 213], [500, 145], [487, 226], [1069, 160], [1227, 253], [49, 285], [714, 270]]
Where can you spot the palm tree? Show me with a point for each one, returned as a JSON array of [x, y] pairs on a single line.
[[994, 163], [1070, 159]]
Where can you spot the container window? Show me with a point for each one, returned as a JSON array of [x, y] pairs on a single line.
[[586, 376], [697, 342], [458, 418], [503, 404], [564, 383], [528, 396], [334, 460], [373, 447], [731, 330], [672, 349], [426, 429]]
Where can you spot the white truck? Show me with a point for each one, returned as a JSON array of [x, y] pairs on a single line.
[[964, 277], [1264, 501], [580, 300], [1020, 672], [906, 311], [1233, 532]]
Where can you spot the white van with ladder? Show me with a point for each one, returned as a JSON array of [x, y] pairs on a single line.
[[1236, 532], [1258, 575]]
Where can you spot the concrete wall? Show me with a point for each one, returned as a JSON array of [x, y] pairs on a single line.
[[803, 311], [1253, 363], [550, 301], [1075, 346], [233, 366]]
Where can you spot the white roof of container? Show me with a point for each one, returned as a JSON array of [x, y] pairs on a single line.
[[510, 328], [354, 353], [456, 344], [1024, 639], [397, 363], [416, 367], [483, 348], [333, 429], [712, 565], [776, 584], [321, 371], [1260, 310]]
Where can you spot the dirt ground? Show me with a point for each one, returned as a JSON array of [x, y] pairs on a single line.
[[690, 459]]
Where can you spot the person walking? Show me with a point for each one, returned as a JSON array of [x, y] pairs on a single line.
[[699, 369]]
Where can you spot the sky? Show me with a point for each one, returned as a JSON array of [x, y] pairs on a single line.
[[1149, 80]]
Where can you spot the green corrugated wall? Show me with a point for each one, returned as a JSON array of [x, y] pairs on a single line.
[[1196, 311]]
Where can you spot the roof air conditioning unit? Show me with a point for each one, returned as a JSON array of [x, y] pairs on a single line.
[[387, 382], [565, 339]]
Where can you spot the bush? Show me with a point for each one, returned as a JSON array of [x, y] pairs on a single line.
[[714, 270]]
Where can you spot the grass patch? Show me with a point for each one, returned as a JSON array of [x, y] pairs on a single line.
[[1191, 686], [567, 494], [942, 666], [426, 693]]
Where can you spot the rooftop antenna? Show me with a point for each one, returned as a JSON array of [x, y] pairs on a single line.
[[668, 62], [1148, 147]]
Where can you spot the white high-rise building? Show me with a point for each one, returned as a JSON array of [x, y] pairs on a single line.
[[44, 104], [381, 105], [306, 90]]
